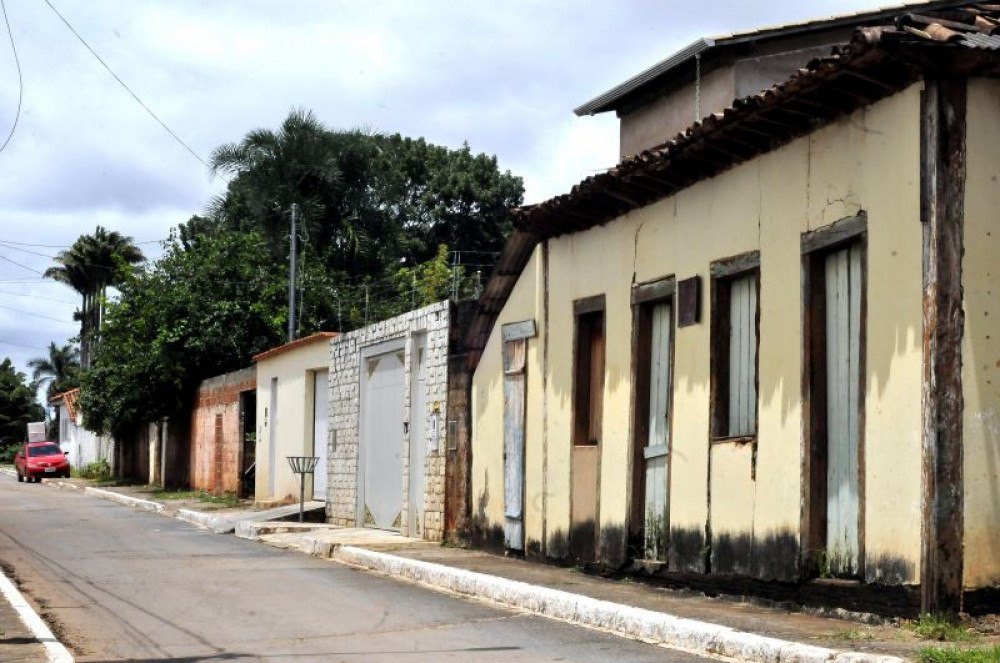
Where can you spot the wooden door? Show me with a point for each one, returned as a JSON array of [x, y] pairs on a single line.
[[588, 426], [514, 359], [657, 451], [843, 384]]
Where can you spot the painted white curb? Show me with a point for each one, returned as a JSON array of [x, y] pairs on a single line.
[[687, 634], [127, 500], [55, 650]]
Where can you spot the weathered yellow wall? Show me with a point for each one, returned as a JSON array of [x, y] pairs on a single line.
[[981, 344], [868, 161], [294, 370], [487, 421]]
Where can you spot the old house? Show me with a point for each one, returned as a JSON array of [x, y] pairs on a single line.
[[84, 446], [292, 416], [398, 424], [223, 434], [763, 354]]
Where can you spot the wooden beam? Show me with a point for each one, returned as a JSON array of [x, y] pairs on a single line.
[[942, 195]]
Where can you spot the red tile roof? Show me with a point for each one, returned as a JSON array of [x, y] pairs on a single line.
[[297, 343]]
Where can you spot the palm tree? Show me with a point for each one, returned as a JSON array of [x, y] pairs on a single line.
[[60, 370], [90, 266]]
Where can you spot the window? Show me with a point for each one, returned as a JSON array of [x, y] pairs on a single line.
[[589, 383], [735, 324]]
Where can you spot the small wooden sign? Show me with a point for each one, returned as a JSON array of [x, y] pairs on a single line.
[[689, 301]]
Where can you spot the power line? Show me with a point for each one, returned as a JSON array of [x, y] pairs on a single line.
[[126, 87], [20, 79], [22, 345], [39, 297], [14, 262], [37, 315]]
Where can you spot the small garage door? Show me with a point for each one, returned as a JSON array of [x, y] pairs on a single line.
[[382, 440]]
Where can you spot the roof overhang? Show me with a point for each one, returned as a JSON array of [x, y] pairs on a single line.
[[878, 62], [711, 47]]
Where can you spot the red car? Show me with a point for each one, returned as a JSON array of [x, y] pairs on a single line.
[[41, 459]]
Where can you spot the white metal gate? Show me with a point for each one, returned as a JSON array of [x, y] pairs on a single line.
[[514, 356], [657, 451], [321, 420], [382, 439], [843, 339]]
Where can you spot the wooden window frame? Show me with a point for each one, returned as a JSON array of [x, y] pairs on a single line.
[[816, 245], [723, 273], [583, 308], [644, 296]]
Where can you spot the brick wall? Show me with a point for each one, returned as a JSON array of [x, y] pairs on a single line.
[[431, 325], [215, 446]]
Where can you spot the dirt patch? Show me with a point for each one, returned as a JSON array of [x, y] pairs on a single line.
[[41, 606]]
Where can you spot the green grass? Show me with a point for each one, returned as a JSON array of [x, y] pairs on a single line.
[[181, 494], [854, 635], [173, 494], [957, 655], [932, 627]]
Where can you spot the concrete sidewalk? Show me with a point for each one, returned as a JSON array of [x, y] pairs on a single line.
[[686, 620]]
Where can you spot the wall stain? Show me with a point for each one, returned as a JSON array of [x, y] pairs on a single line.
[[533, 550], [611, 548], [558, 548], [687, 550], [772, 557], [583, 541], [886, 569]]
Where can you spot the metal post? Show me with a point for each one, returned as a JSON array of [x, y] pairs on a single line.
[[302, 496], [291, 273]]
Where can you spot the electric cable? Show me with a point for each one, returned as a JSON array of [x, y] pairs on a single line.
[[126, 87], [20, 79]]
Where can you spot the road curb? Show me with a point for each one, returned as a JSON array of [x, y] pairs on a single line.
[[127, 500], [636, 623], [55, 650]]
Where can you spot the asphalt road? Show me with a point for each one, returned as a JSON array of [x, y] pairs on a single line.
[[122, 585]]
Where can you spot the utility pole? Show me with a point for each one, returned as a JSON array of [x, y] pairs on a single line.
[[291, 273]]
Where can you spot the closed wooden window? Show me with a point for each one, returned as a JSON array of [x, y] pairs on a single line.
[[735, 323]]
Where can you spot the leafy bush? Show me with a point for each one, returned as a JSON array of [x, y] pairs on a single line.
[[933, 627], [97, 471]]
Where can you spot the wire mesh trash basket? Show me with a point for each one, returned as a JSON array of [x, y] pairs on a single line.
[[302, 465]]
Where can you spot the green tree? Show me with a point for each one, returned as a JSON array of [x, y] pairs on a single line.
[[18, 405], [60, 370], [202, 309], [369, 203], [89, 266]]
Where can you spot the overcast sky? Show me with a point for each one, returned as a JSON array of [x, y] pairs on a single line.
[[503, 76]]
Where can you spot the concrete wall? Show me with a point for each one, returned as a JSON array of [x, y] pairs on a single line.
[[294, 370], [431, 322], [84, 446], [981, 344], [216, 447], [866, 162]]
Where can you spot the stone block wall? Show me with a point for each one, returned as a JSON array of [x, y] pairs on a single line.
[[429, 326], [215, 444]]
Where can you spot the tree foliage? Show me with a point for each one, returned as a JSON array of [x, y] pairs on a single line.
[[60, 370], [89, 266], [201, 310], [18, 405], [369, 203]]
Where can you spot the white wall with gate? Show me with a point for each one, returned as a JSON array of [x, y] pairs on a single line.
[[388, 399]]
